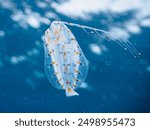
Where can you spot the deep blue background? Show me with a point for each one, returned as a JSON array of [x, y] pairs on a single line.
[[117, 81]]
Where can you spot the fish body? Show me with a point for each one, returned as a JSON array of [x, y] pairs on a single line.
[[66, 66]]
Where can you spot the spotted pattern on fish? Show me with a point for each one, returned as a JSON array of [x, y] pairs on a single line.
[[66, 66]]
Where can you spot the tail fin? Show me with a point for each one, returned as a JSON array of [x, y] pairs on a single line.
[[71, 92]]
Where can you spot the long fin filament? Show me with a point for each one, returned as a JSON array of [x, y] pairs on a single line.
[[124, 43]]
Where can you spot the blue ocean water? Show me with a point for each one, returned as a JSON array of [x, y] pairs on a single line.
[[116, 82]]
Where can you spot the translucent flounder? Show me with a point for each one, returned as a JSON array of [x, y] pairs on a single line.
[[66, 66]]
